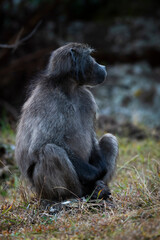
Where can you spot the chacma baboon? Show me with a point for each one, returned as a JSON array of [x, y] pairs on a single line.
[[56, 145]]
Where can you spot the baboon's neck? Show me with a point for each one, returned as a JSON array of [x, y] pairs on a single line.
[[69, 87], [66, 85]]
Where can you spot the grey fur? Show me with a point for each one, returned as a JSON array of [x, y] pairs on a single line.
[[58, 119], [109, 146]]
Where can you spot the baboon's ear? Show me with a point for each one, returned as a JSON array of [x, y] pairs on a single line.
[[73, 54]]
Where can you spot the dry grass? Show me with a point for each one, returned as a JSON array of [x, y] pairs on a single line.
[[135, 214]]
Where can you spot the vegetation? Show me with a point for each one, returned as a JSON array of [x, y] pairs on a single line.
[[133, 213]]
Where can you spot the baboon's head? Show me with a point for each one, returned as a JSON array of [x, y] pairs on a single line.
[[74, 61]]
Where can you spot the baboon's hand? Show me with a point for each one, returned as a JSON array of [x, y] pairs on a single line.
[[101, 191]]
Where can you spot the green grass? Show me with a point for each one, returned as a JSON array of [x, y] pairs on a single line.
[[136, 197]]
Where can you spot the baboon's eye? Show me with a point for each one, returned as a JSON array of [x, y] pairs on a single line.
[[91, 60]]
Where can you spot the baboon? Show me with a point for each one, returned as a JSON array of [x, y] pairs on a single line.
[[56, 145]]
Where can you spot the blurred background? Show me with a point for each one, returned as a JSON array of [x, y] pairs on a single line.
[[126, 36]]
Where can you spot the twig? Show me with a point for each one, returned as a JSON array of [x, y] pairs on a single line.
[[19, 42], [32, 33]]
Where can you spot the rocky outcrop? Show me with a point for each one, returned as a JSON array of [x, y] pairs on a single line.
[[124, 40], [131, 94]]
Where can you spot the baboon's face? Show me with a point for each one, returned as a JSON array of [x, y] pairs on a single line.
[[94, 73]]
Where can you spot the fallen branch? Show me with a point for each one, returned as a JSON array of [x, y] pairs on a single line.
[[19, 42]]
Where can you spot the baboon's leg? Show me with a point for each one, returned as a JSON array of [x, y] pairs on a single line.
[[109, 148], [54, 176]]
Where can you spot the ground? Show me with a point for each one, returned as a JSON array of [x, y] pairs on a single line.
[[132, 213]]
